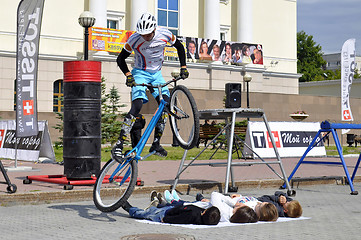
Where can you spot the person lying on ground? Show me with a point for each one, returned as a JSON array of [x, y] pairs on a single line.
[[187, 214], [286, 206], [264, 210], [229, 211]]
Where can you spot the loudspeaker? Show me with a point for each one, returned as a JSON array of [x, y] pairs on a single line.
[[233, 95]]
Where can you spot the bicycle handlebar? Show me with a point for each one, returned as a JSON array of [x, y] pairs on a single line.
[[159, 85]]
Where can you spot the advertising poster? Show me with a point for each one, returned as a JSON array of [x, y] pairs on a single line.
[[197, 49], [291, 139], [29, 17], [348, 65], [30, 148]]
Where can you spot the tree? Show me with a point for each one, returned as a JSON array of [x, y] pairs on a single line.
[[309, 56]]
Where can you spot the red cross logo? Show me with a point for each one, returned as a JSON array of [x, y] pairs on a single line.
[[276, 138], [28, 107], [346, 115]]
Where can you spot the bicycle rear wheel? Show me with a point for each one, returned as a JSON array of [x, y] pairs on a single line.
[[184, 117], [114, 185]]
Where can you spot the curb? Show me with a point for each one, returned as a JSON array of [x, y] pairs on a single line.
[[87, 194]]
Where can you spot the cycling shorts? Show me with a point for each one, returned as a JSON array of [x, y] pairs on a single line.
[[142, 76]]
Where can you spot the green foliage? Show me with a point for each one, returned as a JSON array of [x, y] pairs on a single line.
[[110, 125], [60, 127], [309, 55]]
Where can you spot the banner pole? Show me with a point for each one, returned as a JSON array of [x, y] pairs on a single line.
[[16, 151]]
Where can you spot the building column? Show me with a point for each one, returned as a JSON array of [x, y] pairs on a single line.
[[211, 19], [138, 8], [245, 22], [99, 10]]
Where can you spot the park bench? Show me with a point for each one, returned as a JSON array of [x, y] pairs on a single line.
[[208, 132]]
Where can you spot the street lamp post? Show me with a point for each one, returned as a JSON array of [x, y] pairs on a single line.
[[247, 78], [86, 20], [175, 74]]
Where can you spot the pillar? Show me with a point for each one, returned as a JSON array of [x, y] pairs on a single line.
[[99, 10], [138, 8], [245, 22], [211, 19]]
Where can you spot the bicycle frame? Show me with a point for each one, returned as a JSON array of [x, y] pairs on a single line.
[[134, 154]]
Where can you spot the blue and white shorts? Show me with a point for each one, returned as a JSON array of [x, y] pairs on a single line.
[[142, 76]]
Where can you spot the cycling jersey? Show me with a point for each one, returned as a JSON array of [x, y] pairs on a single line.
[[149, 55]]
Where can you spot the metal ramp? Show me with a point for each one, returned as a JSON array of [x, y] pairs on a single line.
[[230, 115], [328, 128]]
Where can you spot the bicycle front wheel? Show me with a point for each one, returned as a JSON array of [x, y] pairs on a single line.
[[114, 185], [184, 117]]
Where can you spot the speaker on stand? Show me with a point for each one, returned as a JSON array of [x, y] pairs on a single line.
[[233, 95]]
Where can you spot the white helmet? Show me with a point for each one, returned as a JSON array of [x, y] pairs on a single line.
[[146, 24]]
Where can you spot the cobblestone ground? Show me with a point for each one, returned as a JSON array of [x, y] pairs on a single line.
[[334, 213]]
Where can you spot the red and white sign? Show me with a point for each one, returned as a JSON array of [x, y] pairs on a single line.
[[291, 139]]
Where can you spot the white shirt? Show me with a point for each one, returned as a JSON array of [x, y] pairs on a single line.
[[225, 205], [248, 201], [149, 56]]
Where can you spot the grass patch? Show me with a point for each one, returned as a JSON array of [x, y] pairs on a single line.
[[176, 153], [332, 150]]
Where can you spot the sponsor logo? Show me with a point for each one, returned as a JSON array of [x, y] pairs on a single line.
[[284, 139], [28, 107]]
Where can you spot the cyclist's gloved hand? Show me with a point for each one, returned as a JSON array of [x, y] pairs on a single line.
[[184, 73], [130, 82]]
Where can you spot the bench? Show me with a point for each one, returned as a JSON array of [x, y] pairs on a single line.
[[208, 132]]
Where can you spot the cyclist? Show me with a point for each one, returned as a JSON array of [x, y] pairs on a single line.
[[148, 43]]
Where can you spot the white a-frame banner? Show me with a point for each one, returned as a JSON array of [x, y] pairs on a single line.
[[28, 34], [348, 65]]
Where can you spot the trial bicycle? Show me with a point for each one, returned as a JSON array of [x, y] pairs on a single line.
[[116, 181]]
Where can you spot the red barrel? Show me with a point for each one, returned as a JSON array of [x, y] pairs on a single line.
[[82, 119]]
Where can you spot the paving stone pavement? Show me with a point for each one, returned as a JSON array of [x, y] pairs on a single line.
[[333, 213]]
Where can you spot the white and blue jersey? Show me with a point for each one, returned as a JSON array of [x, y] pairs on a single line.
[[148, 61], [149, 56]]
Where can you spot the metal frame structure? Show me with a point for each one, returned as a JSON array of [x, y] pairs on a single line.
[[230, 115], [331, 128], [11, 187]]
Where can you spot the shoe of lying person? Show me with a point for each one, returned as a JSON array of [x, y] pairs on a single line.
[[168, 196], [159, 150], [153, 195], [153, 203], [162, 201], [199, 197], [175, 195]]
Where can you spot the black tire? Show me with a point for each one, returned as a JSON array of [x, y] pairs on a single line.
[[12, 188], [184, 117], [108, 196], [27, 181], [68, 187]]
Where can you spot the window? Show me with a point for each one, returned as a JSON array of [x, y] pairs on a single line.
[[224, 29], [58, 94], [114, 19], [168, 15], [112, 24]]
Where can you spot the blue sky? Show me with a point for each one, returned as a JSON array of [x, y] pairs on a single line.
[[330, 22]]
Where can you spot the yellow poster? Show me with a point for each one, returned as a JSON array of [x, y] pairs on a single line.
[[113, 40], [107, 39]]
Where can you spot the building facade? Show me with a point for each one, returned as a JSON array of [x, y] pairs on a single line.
[[243, 21], [333, 61]]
